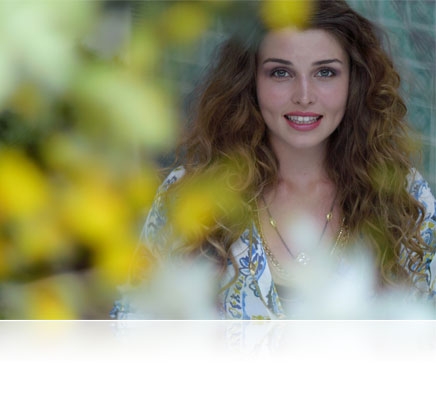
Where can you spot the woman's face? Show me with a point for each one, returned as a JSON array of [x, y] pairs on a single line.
[[302, 86]]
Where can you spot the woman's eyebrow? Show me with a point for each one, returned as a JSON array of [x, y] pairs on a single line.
[[277, 60], [287, 62], [329, 61]]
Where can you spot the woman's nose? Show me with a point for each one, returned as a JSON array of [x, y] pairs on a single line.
[[303, 93]]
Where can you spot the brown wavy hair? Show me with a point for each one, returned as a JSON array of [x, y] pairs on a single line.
[[368, 157]]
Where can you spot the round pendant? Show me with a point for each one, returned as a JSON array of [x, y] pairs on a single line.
[[302, 258]]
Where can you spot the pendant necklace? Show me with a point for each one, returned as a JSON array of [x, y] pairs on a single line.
[[301, 258]]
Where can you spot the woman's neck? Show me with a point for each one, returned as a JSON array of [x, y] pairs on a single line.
[[302, 167]]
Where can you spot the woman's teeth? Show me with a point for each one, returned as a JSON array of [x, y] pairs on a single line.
[[301, 120]]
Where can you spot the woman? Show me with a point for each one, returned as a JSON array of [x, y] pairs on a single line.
[[302, 123]]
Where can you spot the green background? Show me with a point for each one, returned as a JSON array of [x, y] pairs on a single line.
[[411, 29]]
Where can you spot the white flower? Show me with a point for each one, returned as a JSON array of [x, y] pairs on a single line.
[[178, 290]]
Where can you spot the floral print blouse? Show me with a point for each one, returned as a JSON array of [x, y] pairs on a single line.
[[248, 290]]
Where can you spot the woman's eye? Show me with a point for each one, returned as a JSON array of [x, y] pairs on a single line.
[[280, 73], [325, 73]]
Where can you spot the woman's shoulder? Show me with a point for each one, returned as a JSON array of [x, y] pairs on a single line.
[[419, 188], [172, 178], [156, 219], [156, 211]]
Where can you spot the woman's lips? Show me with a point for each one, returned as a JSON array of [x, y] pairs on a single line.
[[303, 121]]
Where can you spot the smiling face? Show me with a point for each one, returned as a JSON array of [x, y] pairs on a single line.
[[302, 86]]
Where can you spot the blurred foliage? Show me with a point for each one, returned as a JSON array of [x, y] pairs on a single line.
[[84, 116], [79, 136]]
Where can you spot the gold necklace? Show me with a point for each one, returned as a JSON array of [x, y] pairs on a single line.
[[301, 257], [340, 243]]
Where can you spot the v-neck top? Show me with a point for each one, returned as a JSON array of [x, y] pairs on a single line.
[[248, 290]]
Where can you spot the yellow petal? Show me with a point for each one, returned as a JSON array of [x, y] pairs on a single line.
[[113, 261], [40, 239], [50, 300], [140, 188], [93, 212], [278, 14], [24, 190], [196, 210], [184, 22], [201, 202]]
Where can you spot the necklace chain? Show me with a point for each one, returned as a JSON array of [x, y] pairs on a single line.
[[301, 257]]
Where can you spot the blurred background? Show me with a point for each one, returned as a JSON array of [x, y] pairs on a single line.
[[93, 95], [411, 29]]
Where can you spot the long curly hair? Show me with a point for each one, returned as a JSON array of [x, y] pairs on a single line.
[[368, 158]]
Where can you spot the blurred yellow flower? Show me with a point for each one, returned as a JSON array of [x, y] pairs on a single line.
[[93, 179], [278, 14], [23, 188], [196, 211], [41, 239], [51, 299], [93, 212], [78, 158], [202, 202], [113, 261], [140, 188], [57, 297], [183, 22]]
